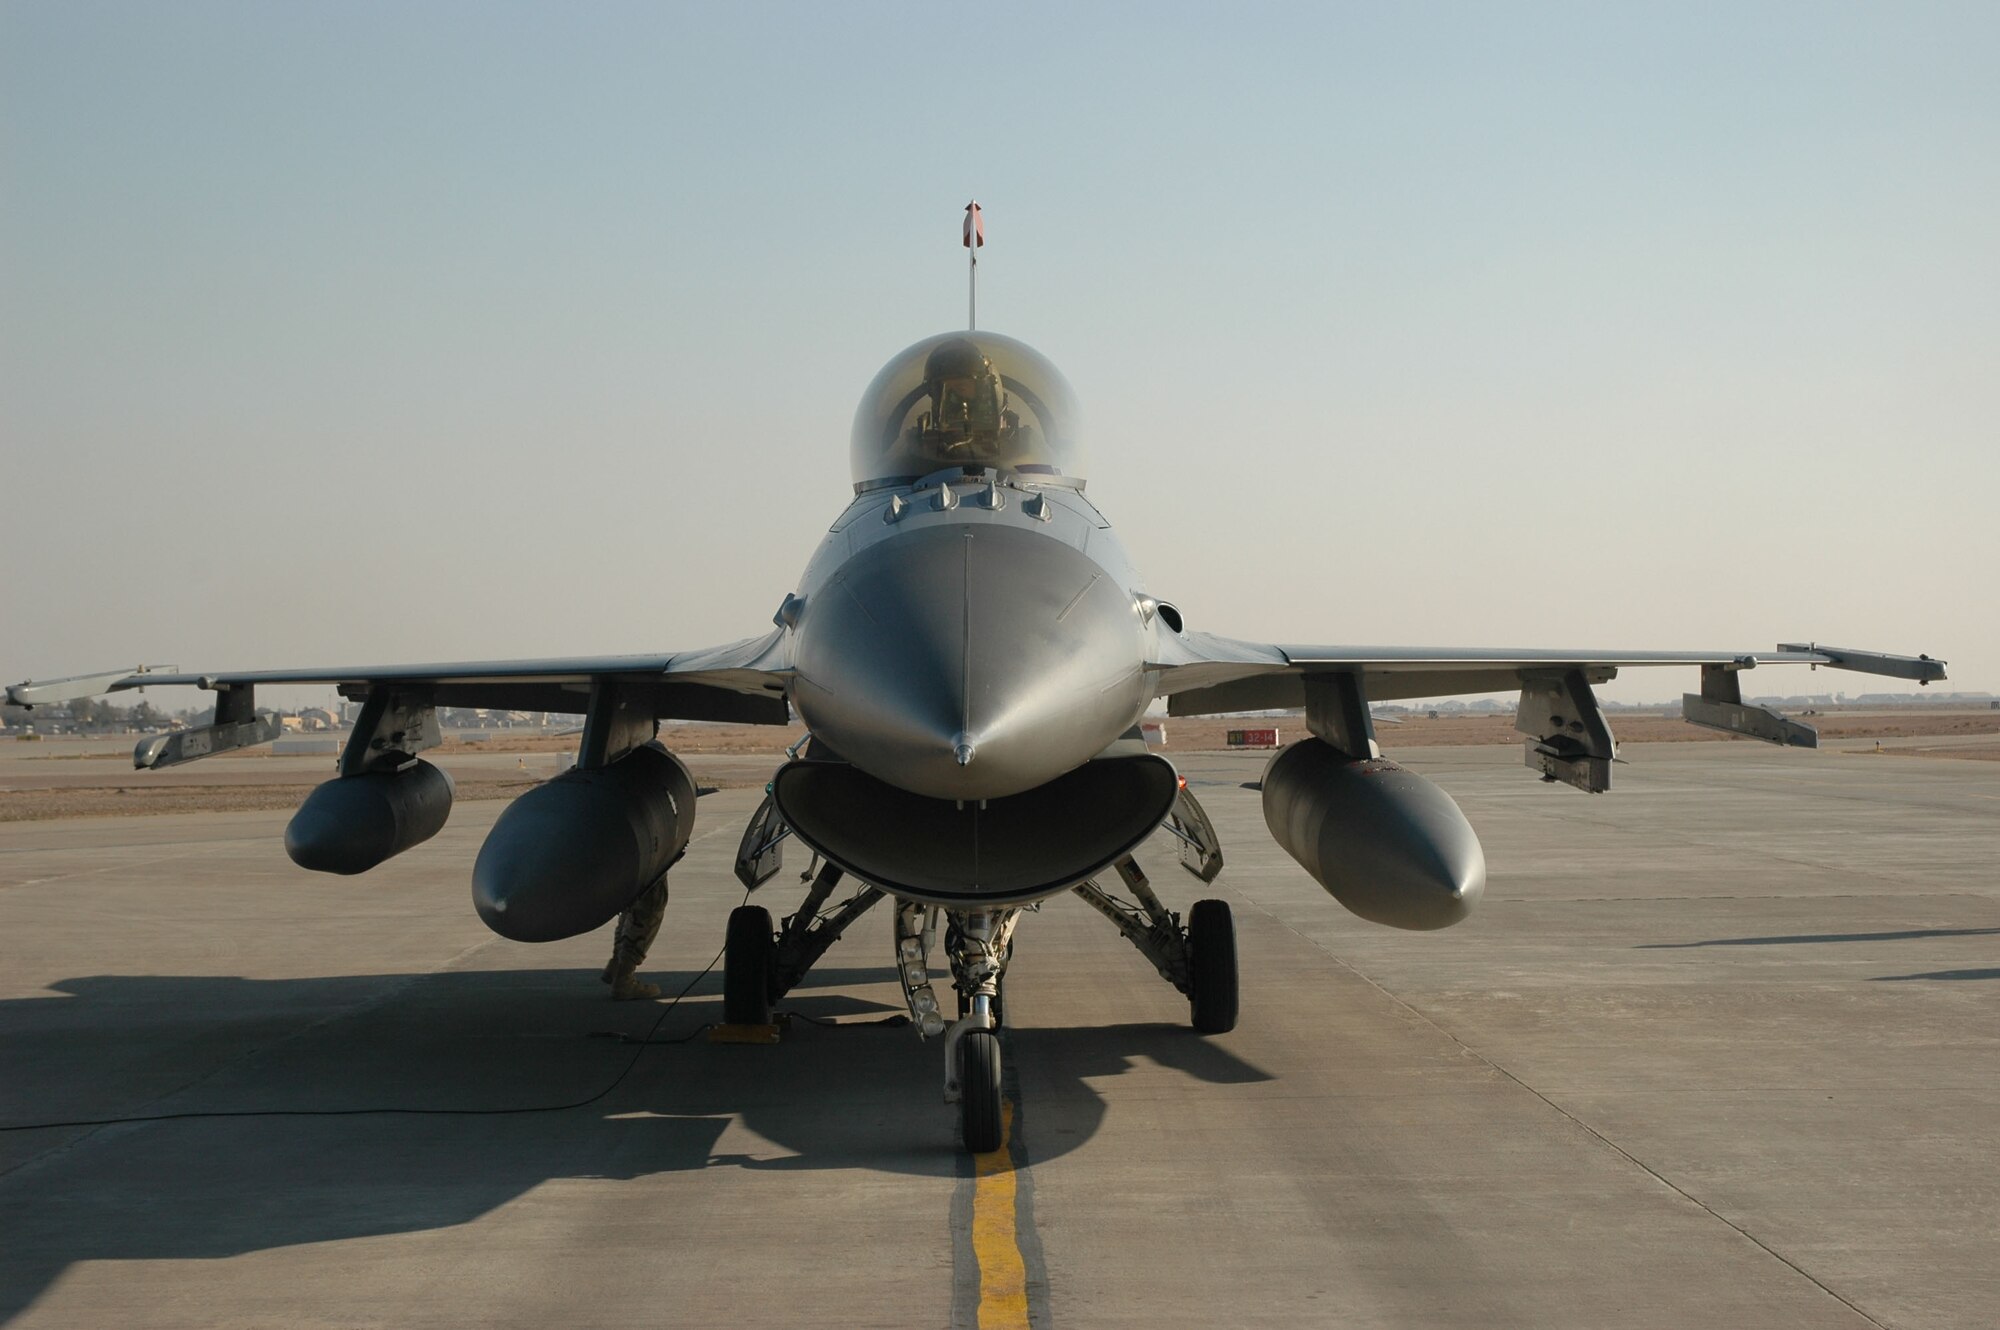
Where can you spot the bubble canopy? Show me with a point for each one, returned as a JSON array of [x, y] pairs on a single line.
[[972, 399]]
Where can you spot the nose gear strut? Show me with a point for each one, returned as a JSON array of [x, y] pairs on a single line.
[[977, 945]]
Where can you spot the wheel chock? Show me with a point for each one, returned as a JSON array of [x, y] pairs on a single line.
[[727, 1033]]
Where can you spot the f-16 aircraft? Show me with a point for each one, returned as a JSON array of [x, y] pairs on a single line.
[[971, 652]]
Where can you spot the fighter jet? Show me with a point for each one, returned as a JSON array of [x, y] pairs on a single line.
[[971, 652]]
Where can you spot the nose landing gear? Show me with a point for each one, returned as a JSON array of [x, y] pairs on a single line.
[[977, 944], [980, 1113], [1199, 959]]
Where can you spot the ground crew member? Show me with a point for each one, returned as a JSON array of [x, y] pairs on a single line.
[[637, 928]]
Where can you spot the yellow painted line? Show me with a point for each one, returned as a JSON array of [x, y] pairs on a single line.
[[1003, 1273]]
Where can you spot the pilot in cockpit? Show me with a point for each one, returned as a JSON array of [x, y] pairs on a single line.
[[969, 419]]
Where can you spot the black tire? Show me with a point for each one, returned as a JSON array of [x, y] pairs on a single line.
[[979, 1091], [748, 957], [1211, 967]]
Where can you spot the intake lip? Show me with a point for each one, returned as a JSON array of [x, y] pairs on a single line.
[[1006, 851]]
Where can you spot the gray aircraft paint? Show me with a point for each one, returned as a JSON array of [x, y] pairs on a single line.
[[971, 630], [970, 648], [969, 652]]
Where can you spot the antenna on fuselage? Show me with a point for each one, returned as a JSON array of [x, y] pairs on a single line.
[[975, 236]]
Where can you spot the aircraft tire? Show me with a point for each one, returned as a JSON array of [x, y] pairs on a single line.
[[979, 1090], [1211, 967], [750, 952]]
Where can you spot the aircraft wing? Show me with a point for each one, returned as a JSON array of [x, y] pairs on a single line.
[[744, 682], [1202, 674], [1209, 673]]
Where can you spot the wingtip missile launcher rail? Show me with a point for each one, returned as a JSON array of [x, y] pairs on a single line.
[[1924, 669], [55, 692]]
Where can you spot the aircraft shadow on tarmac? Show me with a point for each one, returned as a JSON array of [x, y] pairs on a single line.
[[1907, 935], [860, 1095]]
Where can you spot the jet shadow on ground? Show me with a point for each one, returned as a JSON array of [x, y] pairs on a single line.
[[1907, 935], [858, 1095]]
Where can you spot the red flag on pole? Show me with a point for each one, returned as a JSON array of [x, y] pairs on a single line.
[[975, 225]]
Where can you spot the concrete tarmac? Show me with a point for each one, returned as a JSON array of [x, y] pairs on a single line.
[[1720, 1048]]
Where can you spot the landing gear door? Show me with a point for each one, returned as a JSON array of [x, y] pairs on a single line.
[[1201, 850], [762, 852]]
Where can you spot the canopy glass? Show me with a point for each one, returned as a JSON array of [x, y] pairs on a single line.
[[967, 398]]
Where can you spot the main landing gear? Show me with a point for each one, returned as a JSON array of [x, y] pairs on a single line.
[[1211, 962], [1199, 960], [760, 963]]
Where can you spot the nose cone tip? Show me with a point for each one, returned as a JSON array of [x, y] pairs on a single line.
[[1467, 881], [1438, 878], [962, 750]]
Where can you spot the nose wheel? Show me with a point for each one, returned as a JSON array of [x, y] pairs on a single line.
[[978, 944], [979, 1091]]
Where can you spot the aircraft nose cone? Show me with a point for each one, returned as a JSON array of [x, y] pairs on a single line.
[[969, 661]]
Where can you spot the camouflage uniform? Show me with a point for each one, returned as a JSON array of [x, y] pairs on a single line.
[[637, 928]]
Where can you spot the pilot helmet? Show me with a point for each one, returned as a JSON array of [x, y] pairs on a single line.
[[966, 397]]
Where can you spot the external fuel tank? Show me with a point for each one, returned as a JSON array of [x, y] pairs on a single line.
[[1386, 843]]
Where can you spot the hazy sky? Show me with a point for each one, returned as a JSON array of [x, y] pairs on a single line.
[[348, 332]]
